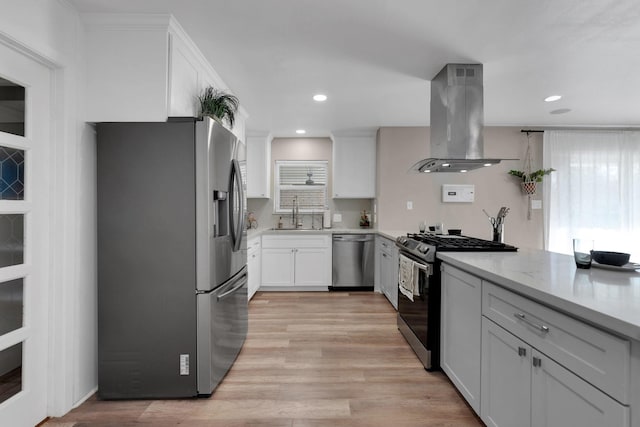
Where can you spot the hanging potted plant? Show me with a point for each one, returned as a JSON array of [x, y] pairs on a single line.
[[218, 105], [529, 178]]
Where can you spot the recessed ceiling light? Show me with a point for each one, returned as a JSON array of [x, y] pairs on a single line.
[[445, 165], [301, 131], [427, 171], [463, 171], [552, 98], [320, 97], [488, 164]]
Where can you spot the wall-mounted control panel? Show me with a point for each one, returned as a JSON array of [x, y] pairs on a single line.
[[458, 193]]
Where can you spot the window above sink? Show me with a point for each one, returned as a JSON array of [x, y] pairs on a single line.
[[301, 180]]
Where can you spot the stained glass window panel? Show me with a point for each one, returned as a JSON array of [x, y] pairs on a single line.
[[11, 174]]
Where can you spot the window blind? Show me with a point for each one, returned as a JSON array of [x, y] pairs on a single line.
[[304, 180]]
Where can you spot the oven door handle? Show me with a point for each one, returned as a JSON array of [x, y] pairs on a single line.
[[427, 268]]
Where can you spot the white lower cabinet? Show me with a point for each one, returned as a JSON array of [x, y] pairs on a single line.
[[460, 332], [506, 377], [523, 387], [387, 269], [561, 398], [296, 261], [254, 261], [278, 267], [310, 267], [521, 363]]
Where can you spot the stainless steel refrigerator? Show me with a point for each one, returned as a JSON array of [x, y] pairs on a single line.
[[172, 275]]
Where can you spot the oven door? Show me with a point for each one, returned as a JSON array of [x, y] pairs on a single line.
[[415, 313]]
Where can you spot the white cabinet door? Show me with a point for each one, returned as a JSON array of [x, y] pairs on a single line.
[[392, 278], [184, 79], [377, 277], [259, 166], [387, 269], [461, 332], [560, 398], [506, 377], [312, 267], [277, 267], [389, 276], [254, 271], [354, 167], [385, 272]]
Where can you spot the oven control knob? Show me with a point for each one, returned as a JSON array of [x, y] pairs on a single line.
[[423, 248], [402, 240]]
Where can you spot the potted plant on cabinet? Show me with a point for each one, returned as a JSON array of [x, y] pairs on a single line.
[[218, 105]]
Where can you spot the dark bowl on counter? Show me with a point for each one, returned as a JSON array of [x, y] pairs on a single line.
[[454, 231], [610, 258]]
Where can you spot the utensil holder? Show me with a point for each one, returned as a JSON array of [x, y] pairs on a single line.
[[498, 233]]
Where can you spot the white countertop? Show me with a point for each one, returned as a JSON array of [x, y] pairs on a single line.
[[605, 298], [389, 234]]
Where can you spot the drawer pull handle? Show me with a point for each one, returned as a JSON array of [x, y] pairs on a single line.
[[522, 317], [522, 351], [537, 362]]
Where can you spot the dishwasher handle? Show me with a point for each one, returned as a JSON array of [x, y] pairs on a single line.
[[352, 238]]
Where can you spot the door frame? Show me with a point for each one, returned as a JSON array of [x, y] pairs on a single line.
[[59, 236]]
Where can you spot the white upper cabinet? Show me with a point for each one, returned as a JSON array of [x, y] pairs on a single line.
[[259, 166], [354, 167], [145, 68]]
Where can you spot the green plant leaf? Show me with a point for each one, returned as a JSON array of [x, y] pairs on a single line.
[[219, 104], [535, 176]]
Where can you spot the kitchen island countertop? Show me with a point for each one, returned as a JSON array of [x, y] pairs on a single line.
[[604, 298]]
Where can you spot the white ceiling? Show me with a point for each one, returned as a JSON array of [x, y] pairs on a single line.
[[374, 58]]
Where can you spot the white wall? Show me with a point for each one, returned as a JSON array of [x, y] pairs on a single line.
[[52, 29], [400, 147]]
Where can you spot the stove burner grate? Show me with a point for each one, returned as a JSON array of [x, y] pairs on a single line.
[[460, 243]]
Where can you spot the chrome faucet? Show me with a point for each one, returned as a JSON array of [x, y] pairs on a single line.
[[295, 214]]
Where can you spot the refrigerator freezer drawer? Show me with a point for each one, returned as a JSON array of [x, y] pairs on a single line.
[[222, 328]]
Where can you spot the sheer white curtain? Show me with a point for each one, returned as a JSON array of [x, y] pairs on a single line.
[[595, 191]]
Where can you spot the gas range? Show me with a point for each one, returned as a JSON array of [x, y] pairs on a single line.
[[419, 285], [425, 245]]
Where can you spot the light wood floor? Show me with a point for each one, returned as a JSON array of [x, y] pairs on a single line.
[[310, 359]]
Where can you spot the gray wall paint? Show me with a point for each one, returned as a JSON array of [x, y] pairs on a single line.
[[401, 147]]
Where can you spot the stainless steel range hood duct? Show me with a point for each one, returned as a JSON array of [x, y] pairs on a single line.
[[457, 120]]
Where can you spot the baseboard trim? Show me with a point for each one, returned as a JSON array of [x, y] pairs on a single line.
[[86, 397], [293, 288]]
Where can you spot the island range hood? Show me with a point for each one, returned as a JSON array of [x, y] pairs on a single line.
[[457, 119]]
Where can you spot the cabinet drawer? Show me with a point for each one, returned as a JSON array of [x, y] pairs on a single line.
[[296, 241], [253, 244], [600, 358], [384, 244]]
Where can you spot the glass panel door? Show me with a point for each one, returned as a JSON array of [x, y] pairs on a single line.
[[12, 180], [24, 170]]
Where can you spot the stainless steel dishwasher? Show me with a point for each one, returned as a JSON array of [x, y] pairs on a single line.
[[353, 262]]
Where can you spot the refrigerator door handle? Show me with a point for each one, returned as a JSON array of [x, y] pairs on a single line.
[[236, 180], [234, 289]]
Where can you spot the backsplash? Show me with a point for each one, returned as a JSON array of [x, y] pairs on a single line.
[[350, 209]]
